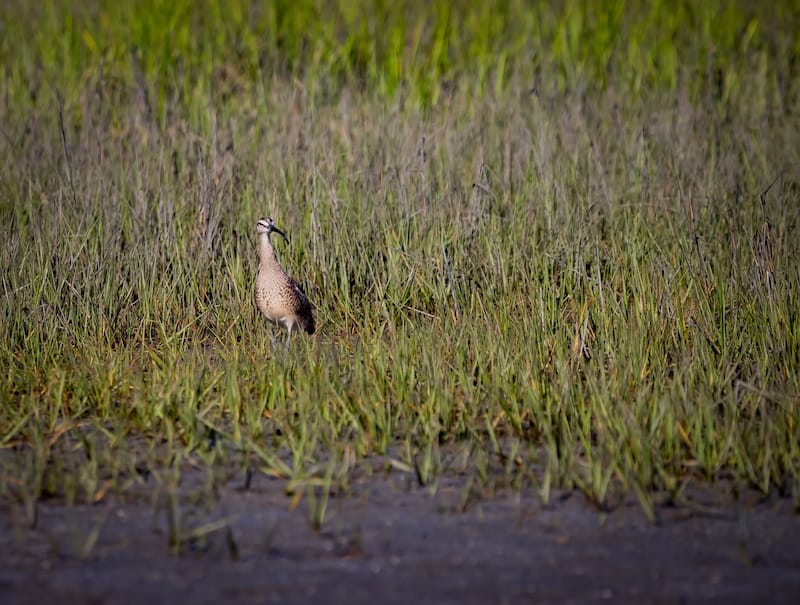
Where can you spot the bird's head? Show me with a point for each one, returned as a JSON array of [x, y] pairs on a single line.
[[266, 225]]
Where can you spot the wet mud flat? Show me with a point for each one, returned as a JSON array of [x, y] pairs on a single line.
[[391, 541]]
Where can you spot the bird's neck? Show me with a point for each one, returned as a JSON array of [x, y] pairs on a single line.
[[266, 253]]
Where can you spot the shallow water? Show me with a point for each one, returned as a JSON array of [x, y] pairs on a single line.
[[391, 541]]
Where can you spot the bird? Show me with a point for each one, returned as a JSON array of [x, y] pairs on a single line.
[[278, 296]]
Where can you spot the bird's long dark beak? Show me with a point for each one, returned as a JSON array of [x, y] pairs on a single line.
[[281, 233]]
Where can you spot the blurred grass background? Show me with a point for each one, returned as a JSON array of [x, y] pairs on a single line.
[[550, 244]]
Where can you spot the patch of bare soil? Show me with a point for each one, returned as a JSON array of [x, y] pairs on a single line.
[[390, 541]]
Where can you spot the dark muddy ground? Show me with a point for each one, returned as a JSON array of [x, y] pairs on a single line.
[[390, 541]]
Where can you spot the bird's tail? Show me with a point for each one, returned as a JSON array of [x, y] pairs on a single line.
[[308, 324]]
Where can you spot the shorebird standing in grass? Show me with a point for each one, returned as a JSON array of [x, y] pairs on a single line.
[[279, 297]]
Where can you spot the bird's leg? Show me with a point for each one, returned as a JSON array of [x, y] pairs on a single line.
[[289, 337]]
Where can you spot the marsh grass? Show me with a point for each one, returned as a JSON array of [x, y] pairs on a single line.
[[545, 251]]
